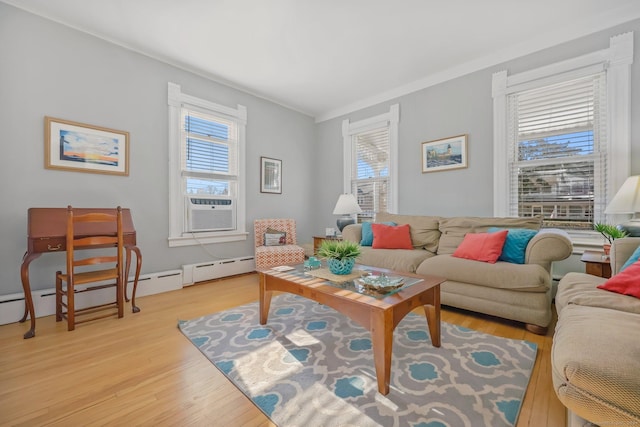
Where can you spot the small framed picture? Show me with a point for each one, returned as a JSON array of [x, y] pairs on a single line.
[[270, 175], [79, 147], [444, 154]]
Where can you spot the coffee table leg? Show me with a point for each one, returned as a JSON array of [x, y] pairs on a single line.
[[432, 312], [265, 300], [382, 342]]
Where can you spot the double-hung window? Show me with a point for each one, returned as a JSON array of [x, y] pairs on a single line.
[[370, 159], [557, 153], [562, 137], [206, 172]]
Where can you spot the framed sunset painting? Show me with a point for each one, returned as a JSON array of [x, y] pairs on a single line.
[[79, 147]]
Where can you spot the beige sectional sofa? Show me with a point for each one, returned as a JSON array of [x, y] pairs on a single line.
[[596, 347], [520, 292]]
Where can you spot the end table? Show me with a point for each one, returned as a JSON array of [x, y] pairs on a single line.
[[597, 263], [317, 241]]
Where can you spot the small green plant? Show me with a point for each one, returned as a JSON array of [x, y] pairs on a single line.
[[610, 232], [339, 249]]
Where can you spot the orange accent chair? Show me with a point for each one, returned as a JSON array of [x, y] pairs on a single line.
[[288, 253]]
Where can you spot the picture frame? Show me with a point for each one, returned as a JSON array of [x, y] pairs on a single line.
[[270, 175], [444, 154], [79, 147]]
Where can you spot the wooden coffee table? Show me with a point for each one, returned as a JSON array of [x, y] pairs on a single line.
[[378, 314]]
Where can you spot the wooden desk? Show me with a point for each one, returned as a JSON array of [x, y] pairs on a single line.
[[596, 264], [46, 232]]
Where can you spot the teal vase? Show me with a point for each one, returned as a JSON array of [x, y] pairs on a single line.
[[341, 266]]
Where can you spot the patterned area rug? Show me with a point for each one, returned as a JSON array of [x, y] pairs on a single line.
[[312, 366]]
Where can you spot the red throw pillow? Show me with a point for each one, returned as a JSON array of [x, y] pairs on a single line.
[[391, 237], [627, 282], [485, 247]]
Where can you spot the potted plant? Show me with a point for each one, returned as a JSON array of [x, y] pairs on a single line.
[[340, 254], [610, 232]]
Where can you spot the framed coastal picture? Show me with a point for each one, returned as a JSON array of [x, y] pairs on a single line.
[[444, 154], [270, 175], [79, 147]]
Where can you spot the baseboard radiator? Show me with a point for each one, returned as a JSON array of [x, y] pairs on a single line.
[[194, 273], [44, 300]]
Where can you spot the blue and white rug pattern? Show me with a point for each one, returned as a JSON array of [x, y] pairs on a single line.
[[312, 366]]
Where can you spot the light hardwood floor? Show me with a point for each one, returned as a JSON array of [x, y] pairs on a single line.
[[140, 370]]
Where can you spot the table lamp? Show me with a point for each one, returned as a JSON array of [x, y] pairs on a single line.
[[346, 206], [627, 201]]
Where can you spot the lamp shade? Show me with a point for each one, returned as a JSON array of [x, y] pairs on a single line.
[[627, 199], [346, 205]]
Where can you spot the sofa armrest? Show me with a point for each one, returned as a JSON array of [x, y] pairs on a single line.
[[548, 245], [621, 250], [352, 233]]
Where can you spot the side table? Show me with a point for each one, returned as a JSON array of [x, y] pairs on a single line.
[[596, 263], [317, 241]]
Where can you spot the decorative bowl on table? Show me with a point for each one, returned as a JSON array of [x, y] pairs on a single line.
[[380, 284]]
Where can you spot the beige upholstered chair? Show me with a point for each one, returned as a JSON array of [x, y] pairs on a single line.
[[270, 256]]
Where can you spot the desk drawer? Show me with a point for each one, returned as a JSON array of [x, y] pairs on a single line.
[[49, 245]]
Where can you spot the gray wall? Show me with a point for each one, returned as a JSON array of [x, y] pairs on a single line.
[[47, 69], [460, 106]]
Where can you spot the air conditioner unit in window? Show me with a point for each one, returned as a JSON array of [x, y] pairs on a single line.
[[210, 213]]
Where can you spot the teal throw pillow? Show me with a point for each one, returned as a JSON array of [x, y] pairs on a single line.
[[632, 259], [367, 232], [515, 246]]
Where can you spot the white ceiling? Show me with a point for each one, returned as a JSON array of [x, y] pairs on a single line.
[[329, 57]]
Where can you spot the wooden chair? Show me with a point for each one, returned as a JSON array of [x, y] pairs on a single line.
[[81, 269], [288, 253]]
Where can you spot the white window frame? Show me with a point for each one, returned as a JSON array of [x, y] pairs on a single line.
[[349, 129], [616, 62], [177, 209]]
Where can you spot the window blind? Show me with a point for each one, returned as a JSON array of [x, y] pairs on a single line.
[[209, 153], [371, 171], [557, 166]]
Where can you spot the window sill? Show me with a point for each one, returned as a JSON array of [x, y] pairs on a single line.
[[585, 240], [192, 239]]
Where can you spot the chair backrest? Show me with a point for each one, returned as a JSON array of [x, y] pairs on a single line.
[[260, 226], [106, 232]]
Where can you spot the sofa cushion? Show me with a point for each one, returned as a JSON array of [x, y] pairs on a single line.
[[515, 246], [424, 229], [367, 233], [485, 247], [454, 229], [635, 256], [595, 364], [626, 282], [393, 259], [503, 275], [582, 289]]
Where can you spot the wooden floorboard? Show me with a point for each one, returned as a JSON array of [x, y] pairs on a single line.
[[140, 370]]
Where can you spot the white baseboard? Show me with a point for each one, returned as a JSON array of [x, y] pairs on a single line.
[[194, 273], [44, 300]]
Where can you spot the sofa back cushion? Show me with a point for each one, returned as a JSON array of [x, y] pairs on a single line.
[[453, 229], [424, 230]]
